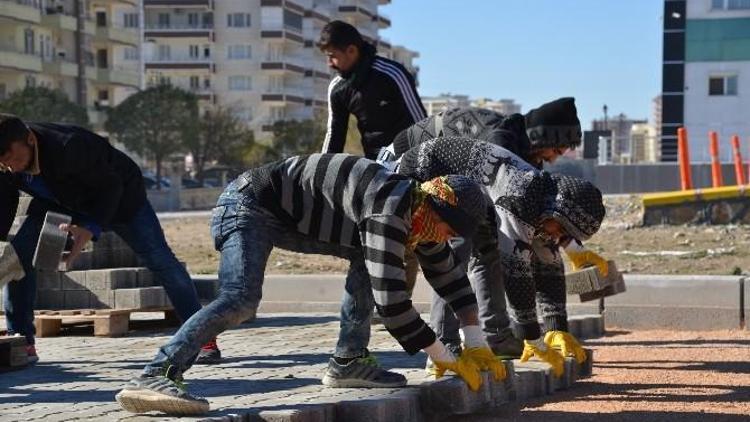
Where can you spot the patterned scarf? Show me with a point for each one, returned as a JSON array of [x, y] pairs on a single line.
[[423, 219]]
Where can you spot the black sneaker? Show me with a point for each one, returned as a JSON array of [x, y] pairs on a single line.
[[148, 394], [508, 349], [209, 354], [361, 372]]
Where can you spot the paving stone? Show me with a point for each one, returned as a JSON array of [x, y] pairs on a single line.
[[403, 406], [111, 279], [77, 299], [48, 280], [451, 395], [529, 382], [574, 327], [587, 326], [50, 299], [140, 298], [84, 261], [51, 242], [504, 391], [73, 280], [145, 278], [586, 369], [102, 299]]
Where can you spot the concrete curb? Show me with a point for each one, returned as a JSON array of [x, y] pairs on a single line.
[[433, 400]]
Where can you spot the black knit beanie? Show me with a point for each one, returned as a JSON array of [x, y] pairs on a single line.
[[554, 125], [470, 209], [578, 206]]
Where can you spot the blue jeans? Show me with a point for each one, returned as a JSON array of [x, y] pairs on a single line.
[[245, 233], [142, 233]]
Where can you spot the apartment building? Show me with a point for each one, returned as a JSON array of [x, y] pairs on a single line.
[[256, 56], [503, 106], [442, 102], [88, 49], [706, 75]]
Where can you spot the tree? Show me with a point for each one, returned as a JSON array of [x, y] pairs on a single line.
[[157, 122], [44, 105], [222, 137], [292, 137]]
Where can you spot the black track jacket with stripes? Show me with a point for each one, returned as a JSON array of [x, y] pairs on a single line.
[[355, 202], [381, 94]]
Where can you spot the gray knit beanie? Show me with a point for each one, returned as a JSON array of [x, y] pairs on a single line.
[[578, 206]]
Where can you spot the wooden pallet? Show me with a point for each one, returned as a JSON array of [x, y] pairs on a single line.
[[106, 322]]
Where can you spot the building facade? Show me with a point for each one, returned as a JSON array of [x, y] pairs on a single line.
[[619, 144], [257, 57], [706, 75], [87, 49]]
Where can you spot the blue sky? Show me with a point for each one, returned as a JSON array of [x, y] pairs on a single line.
[[533, 51]]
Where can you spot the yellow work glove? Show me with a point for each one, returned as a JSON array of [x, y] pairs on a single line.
[[565, 343], [586, 258], [464, 368], [486, 360], [538, 349]]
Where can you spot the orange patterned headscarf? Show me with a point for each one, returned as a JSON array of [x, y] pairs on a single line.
[[423, 218]]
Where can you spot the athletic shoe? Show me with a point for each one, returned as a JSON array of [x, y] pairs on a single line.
[[32, 357], [508, 349], [148, 394], [362, 372], [209, 354]]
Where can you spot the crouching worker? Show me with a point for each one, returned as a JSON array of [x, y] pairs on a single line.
[[319, 203]]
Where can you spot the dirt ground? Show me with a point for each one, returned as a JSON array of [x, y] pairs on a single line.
[[655, 376], [722, 250]]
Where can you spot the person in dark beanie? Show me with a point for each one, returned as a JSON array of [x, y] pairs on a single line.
[[542, 135], [70, 170], [379, 92], [341, 205]]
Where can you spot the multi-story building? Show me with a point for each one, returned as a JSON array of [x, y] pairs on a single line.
[[442, 102], [706, 75], [88, 49], [504, 106], [643, 144], [256, 56], [620, 126]]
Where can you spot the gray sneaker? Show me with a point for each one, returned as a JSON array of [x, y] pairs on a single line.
[[361, 373], [148, 394]]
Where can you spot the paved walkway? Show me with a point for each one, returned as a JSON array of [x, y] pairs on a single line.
[[273, 363]]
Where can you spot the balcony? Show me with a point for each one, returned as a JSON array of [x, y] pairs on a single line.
[[282, 33], [384, 2], [60, 67], [180, 62], [60, 20], [382, 20], [355, 11], [9, 58], [124, 77], [283, 66], [178, 31], [118, 34], [284, 96], [21, 10], [206, 4]]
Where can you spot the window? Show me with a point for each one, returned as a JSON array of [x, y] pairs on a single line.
[[28, 41], [30, 81], [163, 52], [244, 114], [130, 20], [206, 83], [738, 4], [195, 82], [163, 20], [240, 83], [208, 20], [192, 20], [292, 20], [717, 4], [722, 85], [194, 51], [239, 52], [238, 20], [130, 53], [102, 95]]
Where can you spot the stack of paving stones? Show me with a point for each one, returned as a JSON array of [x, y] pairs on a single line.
[[590, 284], [12, 353], [106, 275]]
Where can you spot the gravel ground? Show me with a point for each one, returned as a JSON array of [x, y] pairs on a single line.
[[722, 250], [654, 376]]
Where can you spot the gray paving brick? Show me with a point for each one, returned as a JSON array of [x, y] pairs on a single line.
[[50, 299], [140, 298], [404, 406], [73, 280], [145, 278], [102, 299], [51, 242], [77, 299], [451, 395], [48, 280], [529, 382], [110, 279]]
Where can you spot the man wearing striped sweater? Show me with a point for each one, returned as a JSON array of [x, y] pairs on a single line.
[[379, 92], [340, 205]]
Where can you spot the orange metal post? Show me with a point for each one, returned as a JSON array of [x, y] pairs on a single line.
[[738, 170], [683, 156], [716, 177]]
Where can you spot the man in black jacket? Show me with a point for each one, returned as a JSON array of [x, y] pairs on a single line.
[[379, 92], [71, 170]]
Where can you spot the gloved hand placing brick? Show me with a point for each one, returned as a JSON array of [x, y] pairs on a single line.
[[581, 257], [566, 344], [539, 349], [478, 351], [444, 361], [10, 265]]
